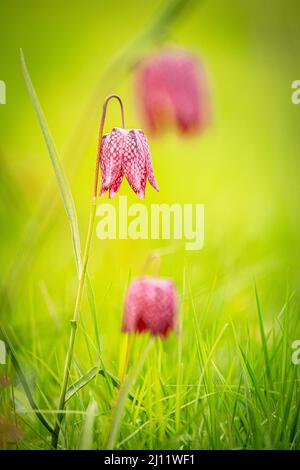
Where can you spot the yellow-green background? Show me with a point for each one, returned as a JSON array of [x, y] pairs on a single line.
[[244, 168]]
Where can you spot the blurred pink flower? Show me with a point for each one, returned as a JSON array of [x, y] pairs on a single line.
[[172, 88], [151, 305], [9, 433], [5, 380], [126, 152]]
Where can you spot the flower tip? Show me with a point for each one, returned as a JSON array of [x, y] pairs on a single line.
[[155, 186], [141, 194], [112, 194]]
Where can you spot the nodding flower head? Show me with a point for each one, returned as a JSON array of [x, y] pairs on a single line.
[[151, 305], [126, 152], [172, 89]]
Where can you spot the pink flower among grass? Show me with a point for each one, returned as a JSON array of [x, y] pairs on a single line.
[[126, 153], [172, 90], [151, 305]]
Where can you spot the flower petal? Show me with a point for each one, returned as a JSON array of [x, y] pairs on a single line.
[[151, 304], [111, 158], [172, 91], [149, 168], [134, 163], [114, 187], [104, 163]]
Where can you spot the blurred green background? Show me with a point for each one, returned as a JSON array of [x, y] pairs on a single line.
[[245, 168]]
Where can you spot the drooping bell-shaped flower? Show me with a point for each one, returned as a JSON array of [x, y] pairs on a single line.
[[151, 304], [171, 89], [125, 152]]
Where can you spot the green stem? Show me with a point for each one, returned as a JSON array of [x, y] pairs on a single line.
[[74, 323], [80, 290]]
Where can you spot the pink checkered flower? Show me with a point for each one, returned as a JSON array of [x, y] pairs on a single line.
[[151, 305], [126, 152], [172, 90]]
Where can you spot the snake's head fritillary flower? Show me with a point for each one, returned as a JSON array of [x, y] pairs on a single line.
[[151, 305], [171, 89], [125, 152]]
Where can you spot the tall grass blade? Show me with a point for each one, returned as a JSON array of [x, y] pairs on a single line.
[[64, 188], [287, 406], [263, 339], [89, 376], [57, 166], [255, 384], [123, 394], [80, 383], [86, 441], [92, 303], [24, 382], [294, 427]]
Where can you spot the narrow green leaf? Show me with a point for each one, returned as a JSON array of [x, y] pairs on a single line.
[[64, 188], [254, 382], [84, 380], [87, 378], [57, 166]]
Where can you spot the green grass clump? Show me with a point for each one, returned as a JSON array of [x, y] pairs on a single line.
[[228, 380]]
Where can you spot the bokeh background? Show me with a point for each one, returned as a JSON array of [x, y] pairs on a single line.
[[245, 169]]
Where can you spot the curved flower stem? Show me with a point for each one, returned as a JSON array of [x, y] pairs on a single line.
[[74, 321], [152, 258], [101, 128]]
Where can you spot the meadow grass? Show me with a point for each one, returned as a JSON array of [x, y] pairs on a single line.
[[217, 386], [227, 380]]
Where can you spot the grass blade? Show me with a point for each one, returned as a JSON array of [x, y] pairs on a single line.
[[88, 377], [80, 383], [91, 299], [251, 375], [263, 339], [123, 394], [294, 426], [57, 166], [86, 441], [24, 382], [287, 409], [64, 188]]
